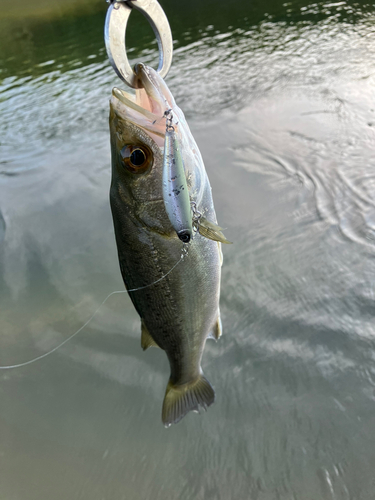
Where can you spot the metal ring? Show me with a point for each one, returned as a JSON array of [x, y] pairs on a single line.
[[114, 35]]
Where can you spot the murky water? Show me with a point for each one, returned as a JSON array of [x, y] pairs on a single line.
[[281, 100]]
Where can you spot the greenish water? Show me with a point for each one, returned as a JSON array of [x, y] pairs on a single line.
[[280, 98]]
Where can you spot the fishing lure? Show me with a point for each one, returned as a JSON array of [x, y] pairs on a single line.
[[175, 189]]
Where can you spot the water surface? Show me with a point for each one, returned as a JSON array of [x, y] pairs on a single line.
[[280, 98]]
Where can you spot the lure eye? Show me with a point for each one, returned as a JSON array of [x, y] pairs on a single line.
[[136, 159], [184, 236]]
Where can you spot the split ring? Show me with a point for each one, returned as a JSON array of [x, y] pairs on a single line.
[[114, 35]]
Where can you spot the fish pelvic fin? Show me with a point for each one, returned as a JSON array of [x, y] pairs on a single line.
[[180, 399], [146, 339], [211, 231]]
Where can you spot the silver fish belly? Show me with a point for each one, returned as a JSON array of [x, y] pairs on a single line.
[[180, 309]]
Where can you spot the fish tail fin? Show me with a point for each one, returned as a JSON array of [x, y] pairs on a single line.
[[180, 399]]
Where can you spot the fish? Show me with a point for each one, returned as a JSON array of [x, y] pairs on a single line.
[[174, 286]]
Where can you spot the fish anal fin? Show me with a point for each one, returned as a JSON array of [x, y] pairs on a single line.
[[146, 339], [180, 399]]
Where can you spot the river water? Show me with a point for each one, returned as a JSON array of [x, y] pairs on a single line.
[[280, 98]]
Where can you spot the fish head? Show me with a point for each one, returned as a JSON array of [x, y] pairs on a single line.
[[137, 132], [138, 127]]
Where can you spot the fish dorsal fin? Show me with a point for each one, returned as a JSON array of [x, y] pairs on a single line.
[[146, 339], [216, 331], [218, 328], [211, 231]]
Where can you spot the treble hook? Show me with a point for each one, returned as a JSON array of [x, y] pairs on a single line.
[[114, 35]]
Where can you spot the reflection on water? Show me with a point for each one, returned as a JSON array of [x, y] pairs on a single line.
[[280, 99]]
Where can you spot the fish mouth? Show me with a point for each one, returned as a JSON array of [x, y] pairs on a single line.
[[146, 108]]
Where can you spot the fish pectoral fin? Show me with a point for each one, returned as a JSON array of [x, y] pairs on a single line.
[[146, 339], [209, 225], [211, 231], [180, 399], [217, 330]]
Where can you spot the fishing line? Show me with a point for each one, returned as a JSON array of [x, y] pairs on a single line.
[[8, 367]]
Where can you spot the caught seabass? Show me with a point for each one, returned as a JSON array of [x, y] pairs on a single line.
[[178, 304]]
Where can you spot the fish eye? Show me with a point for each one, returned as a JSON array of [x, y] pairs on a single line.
[[136, 159]]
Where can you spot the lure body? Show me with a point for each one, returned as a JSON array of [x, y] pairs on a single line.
[[175, 190]]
